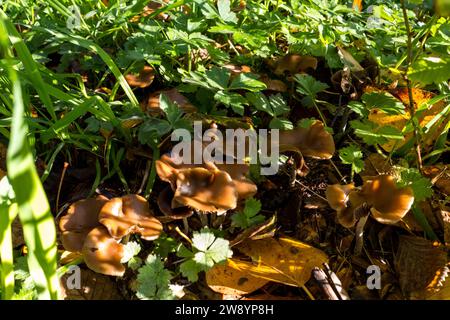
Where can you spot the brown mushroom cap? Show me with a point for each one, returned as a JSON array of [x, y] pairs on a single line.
[[80, 219], [102, 253], [143, 79], [205, 190], [245, 187], [165, 205], [314, 142], [337, 195], [130, 214], [346, 200], [389, 202]]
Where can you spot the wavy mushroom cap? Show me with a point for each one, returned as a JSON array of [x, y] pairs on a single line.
[[165, 200], [354, 209], [205, 190], [102, 253], [168, 171], [347, 201], [245, 187], [130, 214], [314, 142], [389, 202], [80, 219], [337, 195]]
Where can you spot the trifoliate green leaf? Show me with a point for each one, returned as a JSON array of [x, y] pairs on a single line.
[[207, 250], [249, 216], [164, 245], [247, 81], [225, 11], [421, 186], [154, 280], [309, 86], [352, 155]]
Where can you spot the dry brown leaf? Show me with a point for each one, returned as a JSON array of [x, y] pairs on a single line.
[[375, 164], [230, 279], [94, 286], [283, 260], [418, 262]]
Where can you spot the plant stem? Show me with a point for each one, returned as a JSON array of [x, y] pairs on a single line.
[[409, 61]]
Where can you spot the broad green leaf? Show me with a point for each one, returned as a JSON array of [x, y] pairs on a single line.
[[383, 101], [247, 81], [430, 70]]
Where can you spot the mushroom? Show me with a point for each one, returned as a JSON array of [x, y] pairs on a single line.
[[80, 219], [143, 79], [243, 187], [102, 253], [130, 214], [346, 201], [165, 200], [314, 142], [205, 190], [389, 203]]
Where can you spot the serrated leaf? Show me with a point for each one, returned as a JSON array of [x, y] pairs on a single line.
[[352, 155], [247, 81], [430, 70], [308, 85], [131, 249], [383, 101]]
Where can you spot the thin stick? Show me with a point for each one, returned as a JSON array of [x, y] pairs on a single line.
[[408, 84], [309, 189], [66, 165]]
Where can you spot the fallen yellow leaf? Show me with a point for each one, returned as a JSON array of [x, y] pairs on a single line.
[[231, 279], [284, 260]]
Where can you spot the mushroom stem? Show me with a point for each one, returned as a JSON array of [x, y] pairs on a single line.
[[186, 225], [360, 235], [203, 218]]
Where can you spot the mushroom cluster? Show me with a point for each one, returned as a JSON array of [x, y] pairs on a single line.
[[387, 203], [206, 187], [94, 227]]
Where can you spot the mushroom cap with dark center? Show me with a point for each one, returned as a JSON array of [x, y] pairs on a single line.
[[80, 219], [389, 202], [314, 142], [102, 253], [165, 205], [130, 214], [337, 195], [205, 190]]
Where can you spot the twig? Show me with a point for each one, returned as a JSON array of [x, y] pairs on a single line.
[[409, 61], [66, 165]]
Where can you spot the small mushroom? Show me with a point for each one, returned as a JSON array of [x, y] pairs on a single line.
[[389, 202], [102, 253], [143, 79], [80, 219], [347, 201], [205, 190], [314, 142], [165, 199], [130, 214]]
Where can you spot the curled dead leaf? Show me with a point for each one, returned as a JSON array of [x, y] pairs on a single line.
[[419, 264]]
